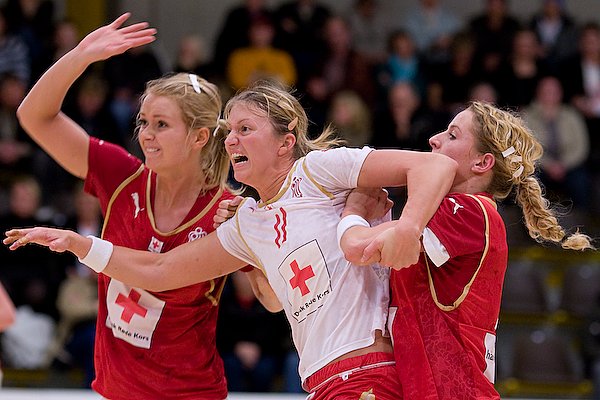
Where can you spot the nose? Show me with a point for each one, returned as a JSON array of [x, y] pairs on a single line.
[[231, 138], [434, 141]]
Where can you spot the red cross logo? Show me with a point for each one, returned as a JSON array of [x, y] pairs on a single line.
[[130, 305], [300, 277]]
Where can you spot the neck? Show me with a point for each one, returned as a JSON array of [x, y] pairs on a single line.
[[276, 181], [172, 191]]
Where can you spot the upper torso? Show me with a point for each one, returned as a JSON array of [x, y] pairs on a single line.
[[333, 307], [152, 345], [443, 318]]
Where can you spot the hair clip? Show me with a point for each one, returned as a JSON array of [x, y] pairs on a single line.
[[216, 130], [508, 151], [195, 83], [292, 124], [518, 172]]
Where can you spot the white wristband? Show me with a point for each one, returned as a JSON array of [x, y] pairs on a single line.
[[348, 222], [99, 255]]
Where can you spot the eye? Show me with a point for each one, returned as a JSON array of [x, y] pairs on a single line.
[[451, 134], [161, 124], [141, 123]]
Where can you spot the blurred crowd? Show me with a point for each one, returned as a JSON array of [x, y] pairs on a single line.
[[378, 85]]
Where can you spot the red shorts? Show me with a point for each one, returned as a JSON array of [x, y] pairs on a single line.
[[373, 373]]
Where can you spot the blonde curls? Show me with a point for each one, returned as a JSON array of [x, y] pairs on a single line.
[[516, 152]]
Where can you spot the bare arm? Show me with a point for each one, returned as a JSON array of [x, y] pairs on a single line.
[[263, 290], [7, 310], [428, 177], [40, 114], [190, 263]]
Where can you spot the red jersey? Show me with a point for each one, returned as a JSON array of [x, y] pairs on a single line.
[[152, 345], [443, 317]]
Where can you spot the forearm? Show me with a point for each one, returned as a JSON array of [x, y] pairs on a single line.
[[427, 184], [356, 239], [44, 100]]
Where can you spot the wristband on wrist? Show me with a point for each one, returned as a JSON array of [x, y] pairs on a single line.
[[348, 222], [99, 255]]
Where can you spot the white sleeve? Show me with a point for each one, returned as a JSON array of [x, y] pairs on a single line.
[[434, 248], [337, 168], [231, 240]]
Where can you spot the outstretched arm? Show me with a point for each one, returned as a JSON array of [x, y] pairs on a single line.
[[428, 177], [40, 114], [190, 263]]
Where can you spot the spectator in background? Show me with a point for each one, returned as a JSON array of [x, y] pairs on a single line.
[[368, 29], [90, 110], [260, 60], [484, 92], [235, 29], [457, 75], [65, 36], [14, 55], [580, 78], [15, 147], [493, 30], [405, 123], [562, 132], [351, 118], [299, 31], [339, 67], [127, 75], [251, 340], [403, 63], [7, 314], [30, 277], [33, 22], [520, 73], [432, 26], [191, 57], [556, 33]]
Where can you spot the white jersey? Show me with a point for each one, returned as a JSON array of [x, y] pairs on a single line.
[[332, 306]]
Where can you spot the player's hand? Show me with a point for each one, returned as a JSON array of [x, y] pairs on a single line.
[[226, 210], [398, 247], [58, 240], [369, 203], [113, 39]]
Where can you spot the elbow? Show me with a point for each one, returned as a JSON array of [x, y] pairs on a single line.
[[273, 308], [445, 163]]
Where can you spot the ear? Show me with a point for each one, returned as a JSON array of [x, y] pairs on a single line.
[[199, 137], [485, 162], [287, 144]]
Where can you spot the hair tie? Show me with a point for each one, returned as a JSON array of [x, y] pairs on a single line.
[[195, 83]]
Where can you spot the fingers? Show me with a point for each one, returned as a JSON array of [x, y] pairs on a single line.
[[120, 20], [16, 238], [371, 254], [237, 200]]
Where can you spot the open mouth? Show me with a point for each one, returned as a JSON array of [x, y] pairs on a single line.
[[237, 158]]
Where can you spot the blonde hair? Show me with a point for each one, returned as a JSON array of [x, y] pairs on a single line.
[[200, 107], [285, 114], [516, 152]]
